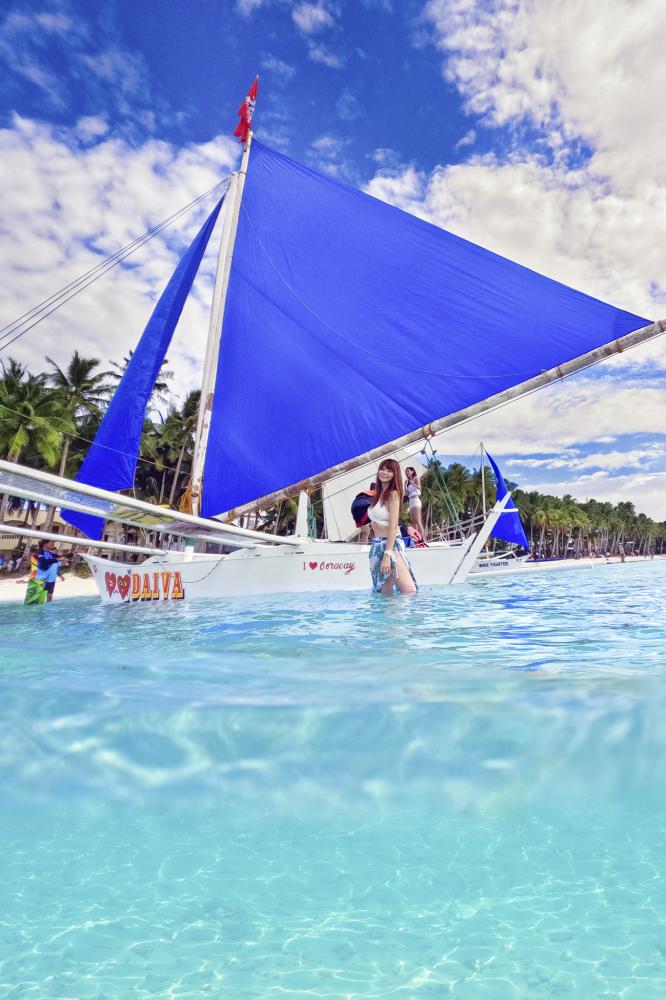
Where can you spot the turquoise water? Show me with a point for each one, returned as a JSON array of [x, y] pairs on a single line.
[[339, 796]]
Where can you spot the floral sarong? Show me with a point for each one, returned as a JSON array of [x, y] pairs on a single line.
[[377, 550]]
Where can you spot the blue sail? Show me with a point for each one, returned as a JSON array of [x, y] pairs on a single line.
[[349, 323], [112, 457], [509, 527]]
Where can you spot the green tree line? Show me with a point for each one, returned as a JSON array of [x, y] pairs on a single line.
[[556, 526], [48, 420]]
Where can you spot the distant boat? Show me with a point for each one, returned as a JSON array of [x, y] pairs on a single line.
[[342, 329]]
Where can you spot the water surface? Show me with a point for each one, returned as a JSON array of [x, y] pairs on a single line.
[[339, 796]]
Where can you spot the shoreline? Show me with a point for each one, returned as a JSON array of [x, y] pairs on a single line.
[[12, 589]]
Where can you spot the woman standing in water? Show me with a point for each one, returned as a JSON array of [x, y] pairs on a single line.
[[413, 491], [389, 567]]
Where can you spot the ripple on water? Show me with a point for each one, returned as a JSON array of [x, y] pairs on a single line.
[[339, 796]]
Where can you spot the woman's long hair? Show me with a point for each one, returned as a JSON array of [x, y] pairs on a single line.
[[385, 489]]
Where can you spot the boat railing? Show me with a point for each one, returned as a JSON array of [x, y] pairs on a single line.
[[454, 532]]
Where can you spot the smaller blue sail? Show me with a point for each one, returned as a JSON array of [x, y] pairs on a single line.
[[509, 527], [111, 460]]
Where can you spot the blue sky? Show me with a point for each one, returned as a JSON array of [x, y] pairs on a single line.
[[367, 76], [515, 123]]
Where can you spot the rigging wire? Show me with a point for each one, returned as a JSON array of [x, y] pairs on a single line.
[[448, 499], [42, 310], [107, 447]]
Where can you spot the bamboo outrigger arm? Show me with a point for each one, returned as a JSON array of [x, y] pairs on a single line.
[[43, 487], [86, 543]]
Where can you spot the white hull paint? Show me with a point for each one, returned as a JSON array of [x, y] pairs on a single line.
[[497, 564], [310, 567], [325, 566], [526, 566]]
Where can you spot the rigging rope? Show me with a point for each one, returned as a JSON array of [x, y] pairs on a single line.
[[72, 435], [11, 332]]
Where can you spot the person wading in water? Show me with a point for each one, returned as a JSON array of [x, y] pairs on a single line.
[[389, 567]]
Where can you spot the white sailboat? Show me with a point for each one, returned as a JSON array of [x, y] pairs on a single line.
[[341, 330]]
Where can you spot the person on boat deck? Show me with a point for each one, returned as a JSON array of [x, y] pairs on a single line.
[[48, 569], [413, 493], [389, 567], [359, 511], [411, 537]]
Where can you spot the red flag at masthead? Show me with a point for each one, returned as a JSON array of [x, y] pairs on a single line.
[[246, 112]]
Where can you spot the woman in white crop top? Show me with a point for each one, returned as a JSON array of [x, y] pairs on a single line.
[[389, 567], [413, 491]]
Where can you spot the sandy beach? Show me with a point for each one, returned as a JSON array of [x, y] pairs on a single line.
[[13, 591]]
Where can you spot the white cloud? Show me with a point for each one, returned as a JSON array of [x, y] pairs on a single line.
[[638, 458], [280, 69], [91, 127], [319, 54], [116, 67], [328, 145], [248, 7], [95, 74], [468, 139], [67, 199], [311, 18], [348, 107], [588, 210], [591, 72], [58, 23], [557, 420], [559, 222], [327, 153], [50, 23], [600, 226]]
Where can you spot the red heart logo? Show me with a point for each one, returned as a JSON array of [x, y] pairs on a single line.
[[313, 565], [124, 586], [110, 581]]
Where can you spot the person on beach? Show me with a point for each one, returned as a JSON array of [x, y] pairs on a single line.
[[413, 493], [389, 567], [35, 592], [48, 569], [359, 511]]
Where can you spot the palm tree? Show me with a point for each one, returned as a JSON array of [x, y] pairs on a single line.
[[82, 391], [185, 425], [160, 389], [32, 417]]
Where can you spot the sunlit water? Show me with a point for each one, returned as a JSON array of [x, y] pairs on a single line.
[[339, 796]]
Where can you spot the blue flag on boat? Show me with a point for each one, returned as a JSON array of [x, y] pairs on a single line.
[[111, 460], [509, 527]]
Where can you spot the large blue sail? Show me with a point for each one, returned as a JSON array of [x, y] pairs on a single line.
[[349, 323], [509, 527], [112, 457]]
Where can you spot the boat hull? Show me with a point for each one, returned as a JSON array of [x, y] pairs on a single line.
[[324, 566], [526, 566]]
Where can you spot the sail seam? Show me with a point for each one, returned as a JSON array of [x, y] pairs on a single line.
[[360, 347]]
